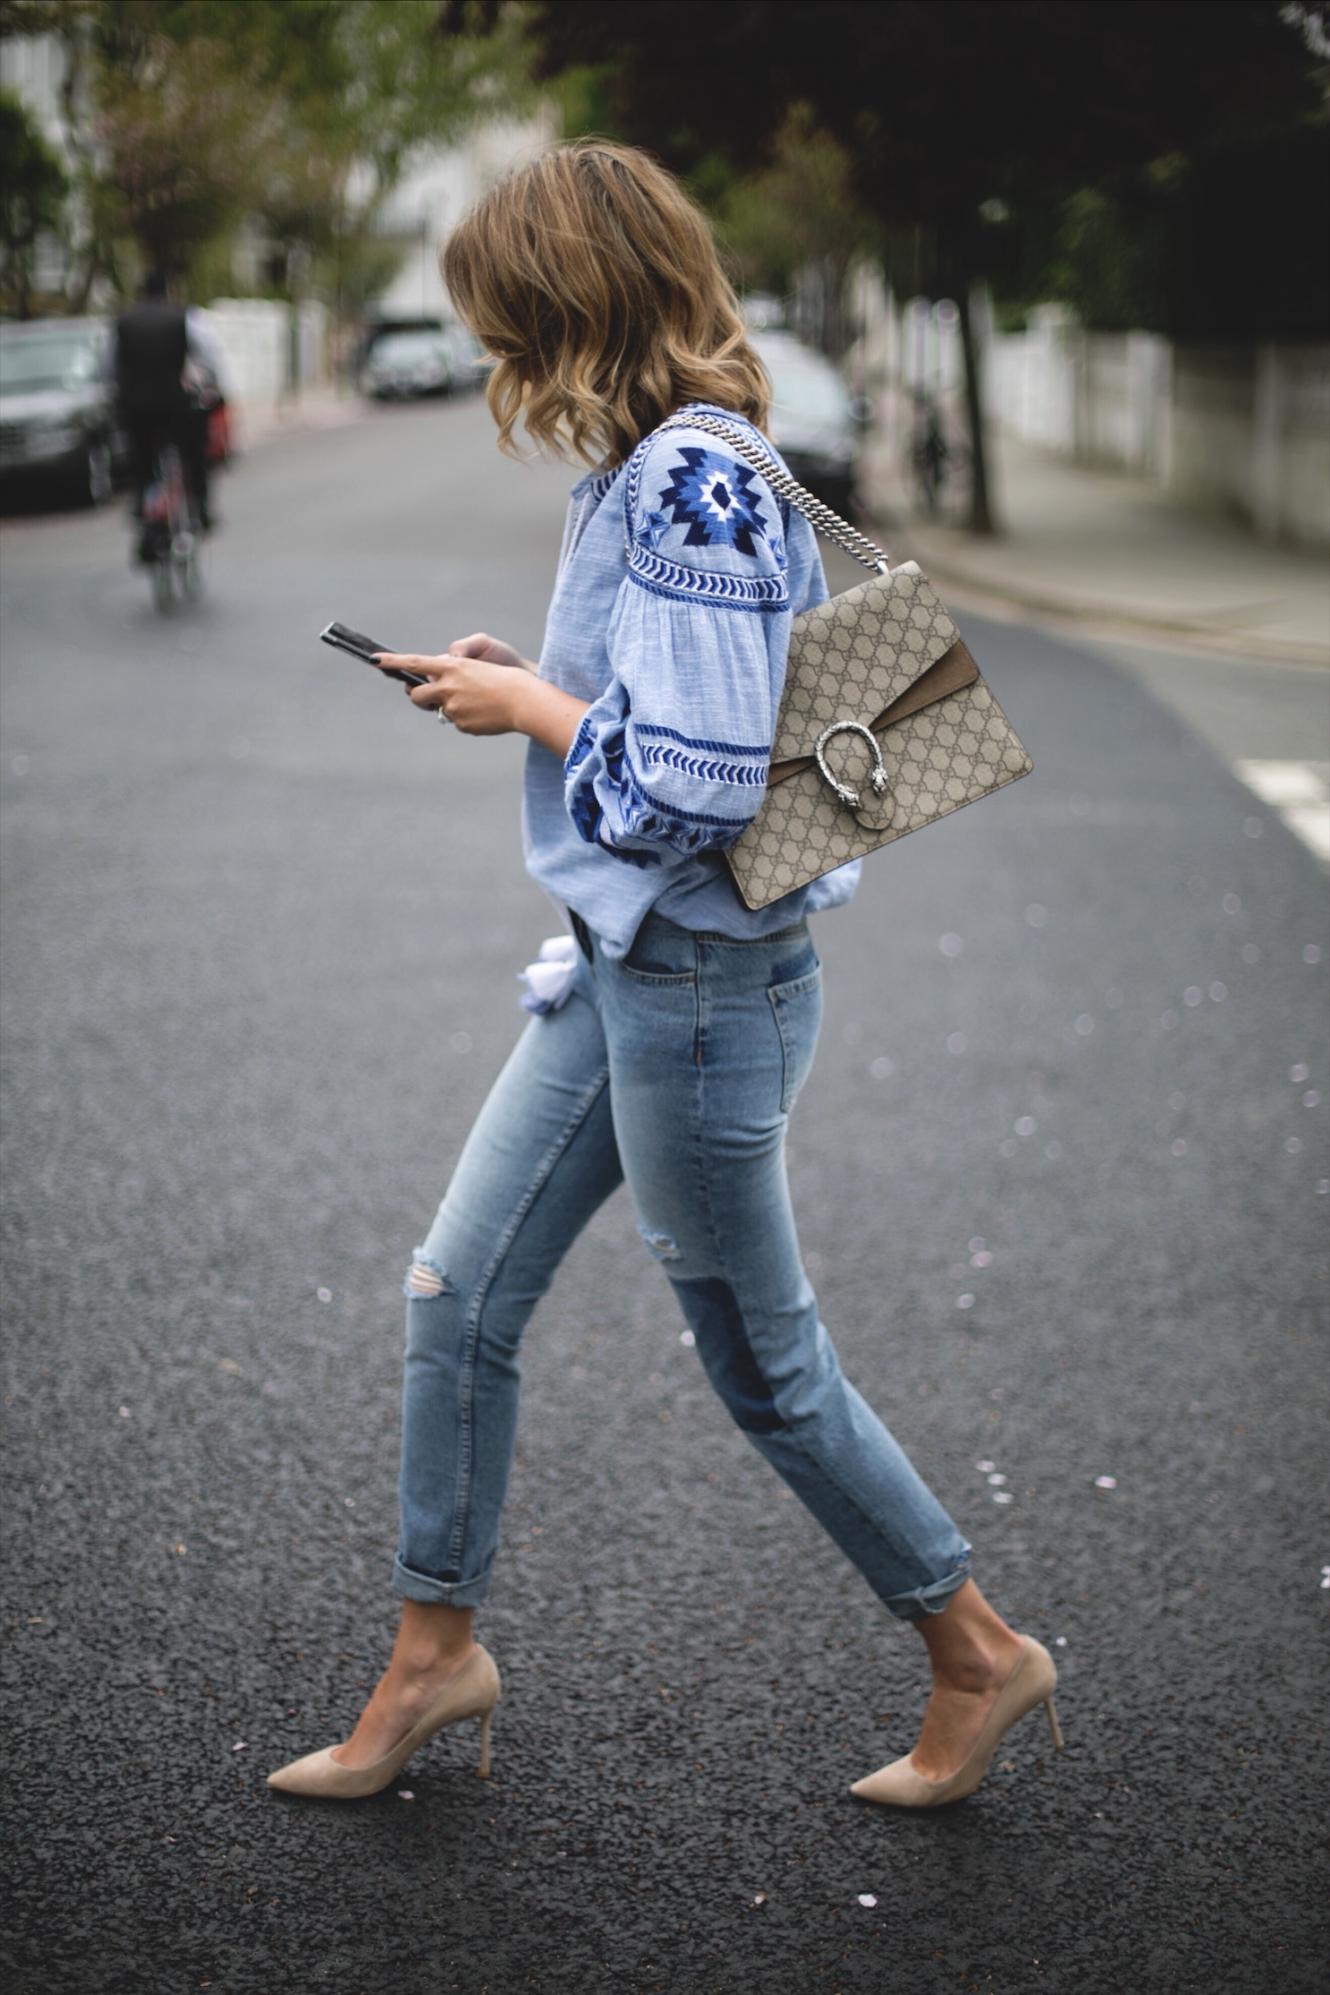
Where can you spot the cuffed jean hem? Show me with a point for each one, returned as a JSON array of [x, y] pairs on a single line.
[[933, 1598], [438, 1592]]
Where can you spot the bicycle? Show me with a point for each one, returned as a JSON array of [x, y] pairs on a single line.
[[168, 543], [939, 465]]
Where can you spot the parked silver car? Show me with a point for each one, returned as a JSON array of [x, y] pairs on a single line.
[[404, 364], [471, 364], [815, 423], [58, 426]]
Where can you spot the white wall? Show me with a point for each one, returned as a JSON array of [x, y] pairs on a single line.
[[33, 68], [434, 196], [1238, 429], [1289, 490], [256, 337], [1213, 407], [1235, 429], [1032, 381]]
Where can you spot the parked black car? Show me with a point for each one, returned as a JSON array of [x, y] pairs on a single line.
[[58, 428], [815, 423]]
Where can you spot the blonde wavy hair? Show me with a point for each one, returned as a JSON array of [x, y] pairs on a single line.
[[593, 279]]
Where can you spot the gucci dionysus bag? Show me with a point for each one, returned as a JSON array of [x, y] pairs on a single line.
[[885, 723]]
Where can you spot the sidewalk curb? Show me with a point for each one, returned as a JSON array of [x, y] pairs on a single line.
[[1087, 615]]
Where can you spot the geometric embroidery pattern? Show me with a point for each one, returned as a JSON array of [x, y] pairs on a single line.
[[654, 728], [713, 497], [662, 577], [654, 524], [583, 744], [670, 816], [701, 768], [647, 815]]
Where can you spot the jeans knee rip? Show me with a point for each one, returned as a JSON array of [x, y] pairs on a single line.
[[659, 1244], [426, 1278]]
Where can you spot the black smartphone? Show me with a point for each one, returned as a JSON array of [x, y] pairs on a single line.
[[345, 639]]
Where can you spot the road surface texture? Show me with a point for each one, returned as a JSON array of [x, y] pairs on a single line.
[[1061, 1173]]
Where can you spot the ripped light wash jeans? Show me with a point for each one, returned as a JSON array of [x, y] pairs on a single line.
[[676, 1069]]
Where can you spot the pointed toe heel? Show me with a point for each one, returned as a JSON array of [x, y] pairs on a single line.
[[472, 1693], [1032, 1681]]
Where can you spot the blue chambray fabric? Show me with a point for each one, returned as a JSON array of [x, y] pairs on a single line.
[[678, 578]]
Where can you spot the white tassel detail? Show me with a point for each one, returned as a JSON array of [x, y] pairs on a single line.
[[550, 978]]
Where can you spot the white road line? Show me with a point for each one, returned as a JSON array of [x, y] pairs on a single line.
[[1300, 792]]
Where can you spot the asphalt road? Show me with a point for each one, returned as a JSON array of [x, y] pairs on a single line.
[[262, 929]]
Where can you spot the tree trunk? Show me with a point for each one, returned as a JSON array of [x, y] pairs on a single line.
[[85, 277], [20, 268], [981, 515], [82, 287]]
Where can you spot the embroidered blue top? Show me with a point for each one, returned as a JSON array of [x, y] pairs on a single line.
[[678, 578]]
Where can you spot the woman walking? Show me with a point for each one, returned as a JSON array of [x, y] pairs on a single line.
[[673, 1055]]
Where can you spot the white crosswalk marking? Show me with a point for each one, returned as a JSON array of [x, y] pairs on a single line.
[[1300, 792]]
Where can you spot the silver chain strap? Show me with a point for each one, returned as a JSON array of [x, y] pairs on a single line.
[[847, 537]]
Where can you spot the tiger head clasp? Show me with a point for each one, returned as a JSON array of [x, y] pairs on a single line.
[[877, 779]]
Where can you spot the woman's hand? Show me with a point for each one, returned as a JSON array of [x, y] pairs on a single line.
[[475, 682], [482, 645]]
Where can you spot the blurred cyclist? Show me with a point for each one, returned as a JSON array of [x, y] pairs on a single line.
[[929, 451], [154, 343]]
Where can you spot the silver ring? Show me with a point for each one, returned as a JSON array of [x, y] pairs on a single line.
[[439, 714]]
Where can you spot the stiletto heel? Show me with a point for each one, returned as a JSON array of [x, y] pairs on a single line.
[[472, 1692], [1031, 1682]]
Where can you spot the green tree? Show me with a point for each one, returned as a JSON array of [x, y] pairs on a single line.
[[799, 218], [182, 126], [970, 125], [188, 115], [362, 86], [33, 188], [88, 226]]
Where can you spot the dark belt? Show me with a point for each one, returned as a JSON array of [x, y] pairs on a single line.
[[582, 932]]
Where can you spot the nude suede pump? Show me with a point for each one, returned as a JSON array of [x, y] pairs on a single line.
[[1032, 1681], [472, 1693]]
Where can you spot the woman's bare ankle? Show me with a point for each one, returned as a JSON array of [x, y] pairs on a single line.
[[983, 1670], [431, 1639], [426, 1666], [970, 1646]]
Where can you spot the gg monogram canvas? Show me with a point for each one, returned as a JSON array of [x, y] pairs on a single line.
[[886, 655]]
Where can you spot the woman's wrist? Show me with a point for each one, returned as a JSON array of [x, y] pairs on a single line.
[[546, 713]]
